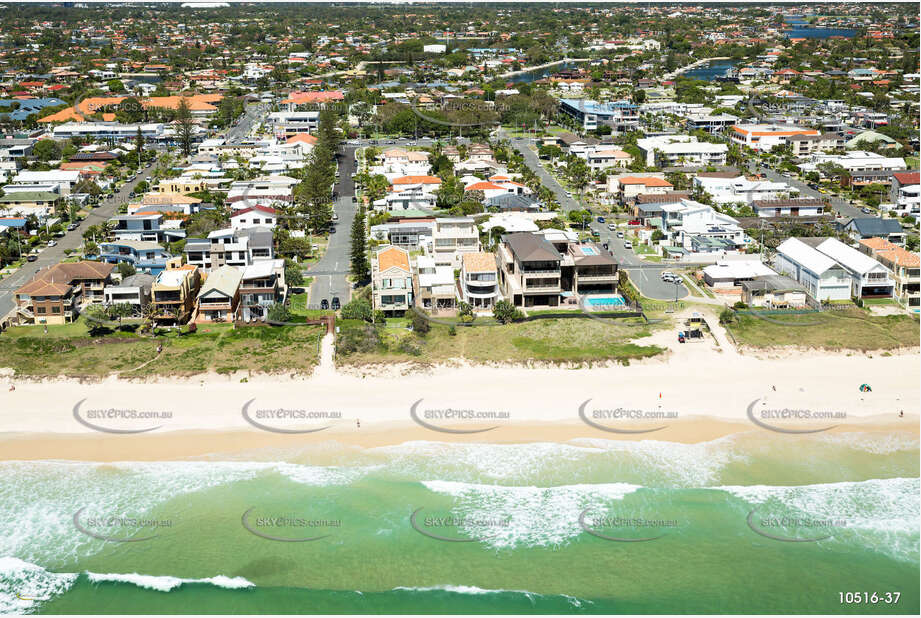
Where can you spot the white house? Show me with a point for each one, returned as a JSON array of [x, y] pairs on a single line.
[[262, 216], [869, 278], [742, 190], [822, 277]]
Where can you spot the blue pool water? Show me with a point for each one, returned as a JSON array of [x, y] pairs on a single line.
[[605, 301], [589, 251]]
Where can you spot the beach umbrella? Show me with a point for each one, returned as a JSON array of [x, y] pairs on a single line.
[[865, 388]]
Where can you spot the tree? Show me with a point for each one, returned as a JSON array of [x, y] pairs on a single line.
[[506, 312], [420, 323], [293, 275], [126, 269], [185, 127], [46, 150], [129, 111], [361, 268], [279, 312], [357, 309]]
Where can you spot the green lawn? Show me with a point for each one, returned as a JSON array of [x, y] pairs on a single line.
[[912, 162], [68, 350], [853, 329], [563, 340]]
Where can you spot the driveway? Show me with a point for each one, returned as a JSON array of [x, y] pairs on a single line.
[[71, 241], [330, 271]]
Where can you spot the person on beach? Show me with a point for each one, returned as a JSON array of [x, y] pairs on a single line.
[[358, 423]]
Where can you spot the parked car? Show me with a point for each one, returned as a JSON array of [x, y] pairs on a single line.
[[612, 227], [31, 257], [628, 244], [620, 234], [596, 234], [600, 219], [667, 274], [335, 217], [324, 304], [335, 303], [866, 211], [72, 227], [634, 222], [52, 243]]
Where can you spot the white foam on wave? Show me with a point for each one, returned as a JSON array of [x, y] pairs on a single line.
[[165, 583], [535, 516], [24, 586], [874, 443], [649, 462], [882, 514], [42, 497]]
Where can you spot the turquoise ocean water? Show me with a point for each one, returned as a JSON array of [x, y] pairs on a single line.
[[743, 524]]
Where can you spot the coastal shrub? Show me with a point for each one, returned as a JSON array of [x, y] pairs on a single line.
[[740, 305], [357, 339], [452, 330], [421, 325], [380, 317], [410, 345], [506, 312], [358, 309], [465, 313], [727, 316], [279, 312]]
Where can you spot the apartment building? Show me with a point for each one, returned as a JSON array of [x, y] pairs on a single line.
[[764, 137], [54, 295], [262, 285], [904, 268], [392, 280], [538, 268], [681, 150], [174, 292], [434, 288], [230, 247], [479, 280], [452, 237]]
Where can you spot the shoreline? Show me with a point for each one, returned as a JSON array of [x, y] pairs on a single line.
[[326, 448]]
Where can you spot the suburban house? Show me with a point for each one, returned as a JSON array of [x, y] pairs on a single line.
[[219, 296], [479, 280], [263, 190], [410, 235], [406, 197], [147, 227], [134, 290], [252, 217], [143, 255], [794, 207], [433, 286], [39, 203], [869, 278], [862, 168], [55, 294], [875, 227], [905, 193], [904, 268], [728, 274], [681, 150], [608, 158], [822, 277], [174, 291], [774, 292], [741, 190], [628, 187], [263, 284], [802, 144], [392, 280], [693, 227], [452, 237], [169, 202], [229, 247], [66, 178]]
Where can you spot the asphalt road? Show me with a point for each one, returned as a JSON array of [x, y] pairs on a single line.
[[645, 275], [71, 240], [330, 271], [253, 113]]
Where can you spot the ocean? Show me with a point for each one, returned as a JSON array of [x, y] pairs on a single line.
[[743, 524]]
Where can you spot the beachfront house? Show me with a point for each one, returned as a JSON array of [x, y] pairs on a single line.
[[392, 280], [219, 296], [433, 285], [479, 280], [904, 268], [56, 294], [133, 291], [822, 277], [174, 291]]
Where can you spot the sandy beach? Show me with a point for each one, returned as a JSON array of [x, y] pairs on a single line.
[[700, 396]]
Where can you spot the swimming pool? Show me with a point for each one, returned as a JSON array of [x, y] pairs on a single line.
[[604, 301], [589, 251]]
